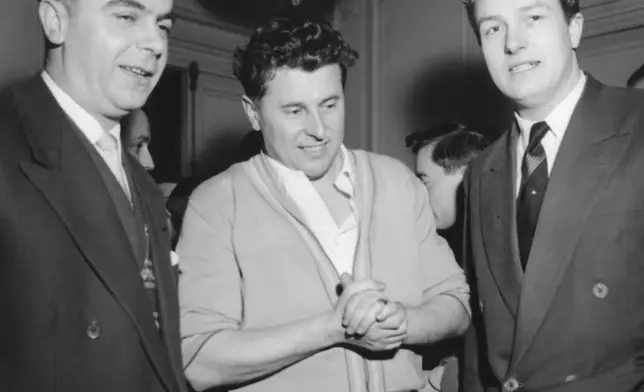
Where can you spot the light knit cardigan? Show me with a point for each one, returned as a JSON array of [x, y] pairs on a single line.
[[249, 261]]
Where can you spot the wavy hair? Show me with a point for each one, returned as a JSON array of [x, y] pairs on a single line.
[[292, 43]]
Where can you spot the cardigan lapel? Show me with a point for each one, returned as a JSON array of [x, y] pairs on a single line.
[[65, 174], [589, 153], [498, 223], [265, 180]]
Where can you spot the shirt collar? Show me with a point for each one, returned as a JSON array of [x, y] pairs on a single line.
[[559, 118], [344, 182], [83, 120]]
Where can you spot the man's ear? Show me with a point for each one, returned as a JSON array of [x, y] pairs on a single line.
[[54, 18], [251, 113], [575, 29]]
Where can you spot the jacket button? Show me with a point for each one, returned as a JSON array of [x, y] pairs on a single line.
[[600, 291], [93, 330], [570, 378], [511, 384], [481, 306]]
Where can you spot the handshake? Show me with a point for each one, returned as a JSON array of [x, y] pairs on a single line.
[[368, 319]]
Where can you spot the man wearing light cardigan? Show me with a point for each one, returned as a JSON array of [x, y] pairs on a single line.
[[311, 267]]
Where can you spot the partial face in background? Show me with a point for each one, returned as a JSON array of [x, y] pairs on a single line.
[[138, 138], [442, 187], [301, 117], [112, 51], [528, 47]]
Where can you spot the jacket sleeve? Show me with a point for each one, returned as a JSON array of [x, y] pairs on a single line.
[[470, 362]]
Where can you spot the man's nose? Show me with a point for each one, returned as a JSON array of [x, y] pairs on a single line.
[[514, 40], [315, 126], [145, 158], [153, 40]]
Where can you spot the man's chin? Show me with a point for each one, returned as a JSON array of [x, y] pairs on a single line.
[[132, 101], [315, 176], [317, 173]]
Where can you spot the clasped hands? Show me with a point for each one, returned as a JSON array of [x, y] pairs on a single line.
[[368, 318]]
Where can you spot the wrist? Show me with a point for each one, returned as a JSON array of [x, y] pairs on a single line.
[[331, 329]]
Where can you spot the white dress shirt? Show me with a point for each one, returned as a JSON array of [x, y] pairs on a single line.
[[339, 243], [91, 128], [557, 120]]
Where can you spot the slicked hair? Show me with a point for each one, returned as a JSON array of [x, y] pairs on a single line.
[[455, 145]]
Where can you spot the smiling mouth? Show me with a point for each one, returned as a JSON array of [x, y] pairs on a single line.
[[525, 66], [137, 71], [317, 147]]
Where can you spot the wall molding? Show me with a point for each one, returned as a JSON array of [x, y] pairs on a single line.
[[211, 60], [191, 11], [196, 36], [609, 45], [609, 16]]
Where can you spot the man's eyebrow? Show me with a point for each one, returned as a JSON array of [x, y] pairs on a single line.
[[537, 4], [171, 16], [125, 3], [491, 18], [292, 104], [334, 97]]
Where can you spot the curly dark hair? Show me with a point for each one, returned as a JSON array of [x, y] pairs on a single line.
[[289, 42], [570, 9]]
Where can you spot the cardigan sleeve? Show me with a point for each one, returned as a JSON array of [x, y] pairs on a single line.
[[210, 295], [440, 272]]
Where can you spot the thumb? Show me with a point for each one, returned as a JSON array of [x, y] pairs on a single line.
[[345, 279]]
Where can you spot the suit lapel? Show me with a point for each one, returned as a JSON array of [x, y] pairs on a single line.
[[65, 174], [151, 206], [589, 153], [497, 208]]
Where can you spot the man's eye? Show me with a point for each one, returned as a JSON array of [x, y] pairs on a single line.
[[492, 30], [126, 17], [167, 28]]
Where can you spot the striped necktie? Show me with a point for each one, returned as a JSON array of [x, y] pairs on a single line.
[[534, 181]]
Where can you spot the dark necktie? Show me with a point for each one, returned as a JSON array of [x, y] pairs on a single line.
[[534, 181]]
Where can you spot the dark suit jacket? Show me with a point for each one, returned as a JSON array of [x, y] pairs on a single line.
[[575, 320], [75, 316]]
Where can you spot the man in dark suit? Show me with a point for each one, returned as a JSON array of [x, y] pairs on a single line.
[[87, 296], [555, 231]]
